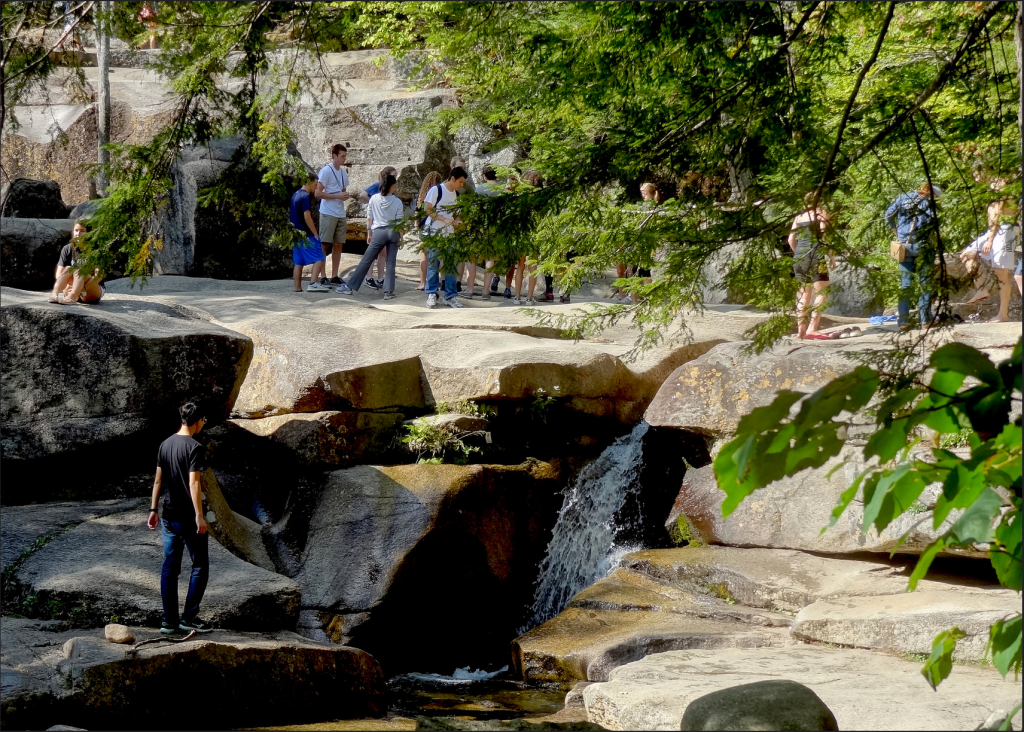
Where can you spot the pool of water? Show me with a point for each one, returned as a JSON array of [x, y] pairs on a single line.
[[467, 700]]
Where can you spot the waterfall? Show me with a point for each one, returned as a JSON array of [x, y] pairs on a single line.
[[587, 541]]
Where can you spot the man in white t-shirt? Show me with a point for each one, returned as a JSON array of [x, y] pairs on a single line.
[[438, 204], [331, 185]]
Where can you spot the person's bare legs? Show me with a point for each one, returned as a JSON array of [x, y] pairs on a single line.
[[61, 283], [382, 263], [509, 278], [519, 277], [533, 282], [336, 260], [1017, 278], [423, 271], [86, 288], [620, 272], [803, 300], [819, 291], [1003, 275], [316, 271], [471, 277], [297, 277]]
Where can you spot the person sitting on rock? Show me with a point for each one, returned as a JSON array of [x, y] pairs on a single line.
[[308, 251], [992, 252], [179, 462], [71, 286]]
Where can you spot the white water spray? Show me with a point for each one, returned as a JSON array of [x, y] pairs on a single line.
[[583, 547]]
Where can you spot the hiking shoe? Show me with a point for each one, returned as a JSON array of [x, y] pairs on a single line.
[[375, 284], [432, 301], [344, 289], [197, 625], [508, 293], [486, 295], [389, 296], [494, 285], [334, 281], [168, 629], [454, 303], [325, 282], [563, 298], [317, 287], [516, 301], [458, 287], [468, 293], [548, 296]]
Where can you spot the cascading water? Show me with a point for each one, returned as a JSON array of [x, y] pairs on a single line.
[[586, 542]]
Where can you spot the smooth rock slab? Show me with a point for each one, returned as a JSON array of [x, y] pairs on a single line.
[[78, 377], [763, 705], [790, 513], [864, 689], [111, 566], [24, 525], [909, 622], [589, 644], [775, 578]]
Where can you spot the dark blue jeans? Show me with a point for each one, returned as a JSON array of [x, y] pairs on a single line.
[[177, 535], [924, 299]]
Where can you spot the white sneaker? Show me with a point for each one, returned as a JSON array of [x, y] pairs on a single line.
[[516, 301], [431, 301], [317, 287], [454, 303]]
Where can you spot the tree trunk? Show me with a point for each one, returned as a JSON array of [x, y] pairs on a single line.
[[103, 92]]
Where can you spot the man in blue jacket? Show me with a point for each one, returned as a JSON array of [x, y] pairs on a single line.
[[912, 218]]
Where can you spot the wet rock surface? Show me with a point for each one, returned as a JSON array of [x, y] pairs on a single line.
[[245, 678]]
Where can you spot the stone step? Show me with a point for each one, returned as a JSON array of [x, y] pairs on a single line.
[[864, 689], [907, 623], [588, 644], [782, 579], [52, 676]]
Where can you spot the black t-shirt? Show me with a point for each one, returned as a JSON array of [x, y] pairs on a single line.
[[178, 456], [68, 256]]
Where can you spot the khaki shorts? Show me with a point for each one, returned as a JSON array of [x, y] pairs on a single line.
[[333, 229]]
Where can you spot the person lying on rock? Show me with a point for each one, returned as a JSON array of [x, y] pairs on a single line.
[[71, 286], [179, 462]]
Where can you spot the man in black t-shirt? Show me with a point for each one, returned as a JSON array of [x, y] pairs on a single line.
[[70, 286], [179, 462]]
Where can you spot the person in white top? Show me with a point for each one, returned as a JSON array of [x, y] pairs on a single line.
[[438, 205], [383, 215], [993, 250], [331, 185], [364, 197]]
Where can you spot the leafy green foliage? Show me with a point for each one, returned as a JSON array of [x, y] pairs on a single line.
[[440, 441], [464, 406], [966, 391]]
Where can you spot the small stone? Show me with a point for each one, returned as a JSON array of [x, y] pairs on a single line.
[[764, 705], [116, 633], [64, 728]]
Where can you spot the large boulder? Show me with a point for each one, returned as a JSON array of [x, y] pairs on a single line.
[[863, 689], [32, 199], [111, 566], [442, 558], [88, 377], [712, 393], [763, 705], [246, 679], [791, 513], [855, 291], [30, 249]]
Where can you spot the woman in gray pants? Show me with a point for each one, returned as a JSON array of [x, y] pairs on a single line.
[[383, 214]]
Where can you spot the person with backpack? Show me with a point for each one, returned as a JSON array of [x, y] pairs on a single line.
[[383, 214], [430, 180], [439, 204], [913, 220]]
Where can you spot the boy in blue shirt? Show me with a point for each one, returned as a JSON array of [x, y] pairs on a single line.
[[308, 251]]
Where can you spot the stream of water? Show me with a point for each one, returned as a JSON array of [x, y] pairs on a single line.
[[586, 542]]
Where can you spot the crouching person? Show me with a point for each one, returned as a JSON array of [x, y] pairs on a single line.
[[180, 460], [70, 286]]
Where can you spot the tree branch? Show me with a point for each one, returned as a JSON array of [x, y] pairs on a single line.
[[938, 82], [825, 180]]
